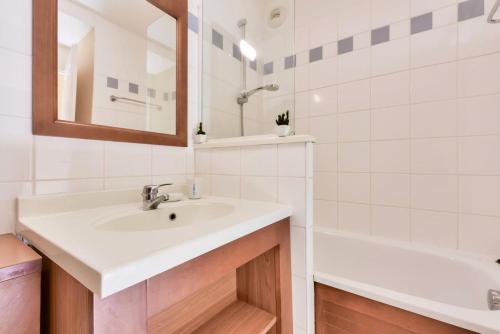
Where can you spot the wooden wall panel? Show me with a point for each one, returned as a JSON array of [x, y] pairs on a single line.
[[341, 312]]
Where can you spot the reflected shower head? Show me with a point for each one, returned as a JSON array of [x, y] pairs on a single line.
[[243, 98]]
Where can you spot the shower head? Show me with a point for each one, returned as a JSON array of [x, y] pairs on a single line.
[[243, 98]]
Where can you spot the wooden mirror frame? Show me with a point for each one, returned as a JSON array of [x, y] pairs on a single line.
[[45, 113]]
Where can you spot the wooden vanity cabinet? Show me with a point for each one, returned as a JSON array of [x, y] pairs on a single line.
[[20, 268], [242, 287]]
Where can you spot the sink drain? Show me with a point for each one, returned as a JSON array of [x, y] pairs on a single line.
[[172, 217]]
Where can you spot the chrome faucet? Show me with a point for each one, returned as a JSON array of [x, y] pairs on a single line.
[[150, 198]]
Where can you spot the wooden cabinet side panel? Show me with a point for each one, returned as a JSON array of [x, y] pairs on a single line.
[[66, 304], [123, 312], [20, 305], [339, 311]]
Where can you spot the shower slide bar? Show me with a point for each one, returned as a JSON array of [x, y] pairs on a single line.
[[494, 10], [114, 98]]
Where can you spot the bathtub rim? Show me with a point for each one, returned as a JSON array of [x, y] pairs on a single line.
[[476, 320]]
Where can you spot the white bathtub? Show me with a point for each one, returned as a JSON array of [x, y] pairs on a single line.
[[449, 286]]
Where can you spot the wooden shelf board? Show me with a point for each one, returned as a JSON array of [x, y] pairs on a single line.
[[239, 318]]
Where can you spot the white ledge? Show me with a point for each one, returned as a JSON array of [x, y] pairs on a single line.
[[255, 140]]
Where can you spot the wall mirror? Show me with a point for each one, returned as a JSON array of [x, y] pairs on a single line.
[[111, 70]]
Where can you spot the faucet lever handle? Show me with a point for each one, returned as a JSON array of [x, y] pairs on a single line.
[[153, 189]]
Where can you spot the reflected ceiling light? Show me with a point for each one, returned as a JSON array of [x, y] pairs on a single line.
[[317, 98], [247, 50]]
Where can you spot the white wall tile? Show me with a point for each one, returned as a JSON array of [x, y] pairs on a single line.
[[479, 195], [388, 11], [325, 214], [8, 203], [390, 90], [476, 38], [354, 187], [325, 157], [479, 76], [258, 160], [434, 228], [226, 161], [479, 115], [226, 186], [354, 157], [423, 6], [67, 186], [391, 189], [434, 156], [434, 46], [125, 159], [391, 156], [259, 188], [434, 192], [354, 126], [292, 191], [291, 160], [390, 123], [425, 87], [15, 149], [479, 155], [202, 161], [354, 217], [325, 186], [390, 222], [324, 128], [354, 65], [298, 250], [322, 73], [323, 101], [63, 158], [354, 96], [168, 160], [15, 26], [479, 234], [434, 119], [389, 57], [354, 17]]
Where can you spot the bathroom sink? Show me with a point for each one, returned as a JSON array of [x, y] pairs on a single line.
[[108, 243], [166, 217]]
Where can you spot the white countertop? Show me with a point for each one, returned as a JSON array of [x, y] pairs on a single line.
[[255, 140], [63, 228]]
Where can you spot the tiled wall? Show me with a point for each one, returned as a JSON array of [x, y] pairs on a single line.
[[403, 97], [277, 173], [40, 165]]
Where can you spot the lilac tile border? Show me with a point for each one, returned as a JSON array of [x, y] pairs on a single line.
[[217, 39], [345, 45], [470, 9], [380, 35], [133, 88], [290, 62], [268, 68], [421, 23], [193, 22], [112, 82], [316, 54]]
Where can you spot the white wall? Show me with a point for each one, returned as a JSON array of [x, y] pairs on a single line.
[[408, 130], [31, 165]]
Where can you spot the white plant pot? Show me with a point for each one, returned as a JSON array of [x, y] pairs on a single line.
[[200, 139], [282, 130]]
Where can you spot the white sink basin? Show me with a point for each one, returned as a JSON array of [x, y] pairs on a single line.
[[166, 217]]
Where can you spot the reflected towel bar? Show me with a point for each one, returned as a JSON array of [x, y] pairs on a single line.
[[114, 98], [493, 12]]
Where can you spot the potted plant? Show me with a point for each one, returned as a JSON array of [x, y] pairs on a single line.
[[283, 125], [200, 136]]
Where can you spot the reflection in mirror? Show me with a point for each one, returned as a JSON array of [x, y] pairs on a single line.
[[248, 66], [117, 64]]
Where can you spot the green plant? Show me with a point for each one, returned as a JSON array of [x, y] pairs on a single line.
[[200, 129], [283, 119]]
